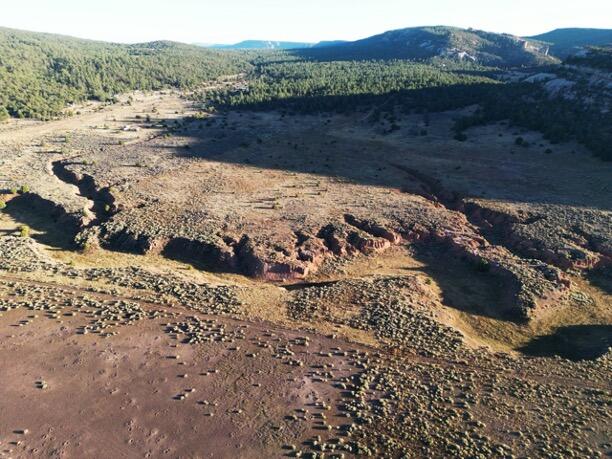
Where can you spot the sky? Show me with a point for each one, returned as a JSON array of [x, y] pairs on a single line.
[[231, 21]]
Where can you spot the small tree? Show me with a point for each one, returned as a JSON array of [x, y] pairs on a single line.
[[24, 231], [4, 114]]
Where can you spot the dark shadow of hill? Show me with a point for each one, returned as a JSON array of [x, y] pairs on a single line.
[[465, 286], [290, 144], [576, 342], [602, 278], [432, 99], [46, 222]]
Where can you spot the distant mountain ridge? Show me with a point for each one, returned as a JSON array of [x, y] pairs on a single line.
[[264, 44], [446, 43], [565, 42], [442, 42], [267, 44]]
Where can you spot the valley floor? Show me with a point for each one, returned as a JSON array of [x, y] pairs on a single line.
[[259, 285]]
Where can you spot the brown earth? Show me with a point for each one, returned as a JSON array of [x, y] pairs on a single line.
[[461, 290], [146, 392], [275, 198]]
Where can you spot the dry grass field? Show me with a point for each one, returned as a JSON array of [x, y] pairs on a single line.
[[259, 285]]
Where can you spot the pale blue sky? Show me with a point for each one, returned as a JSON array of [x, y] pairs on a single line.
[[229, 21]]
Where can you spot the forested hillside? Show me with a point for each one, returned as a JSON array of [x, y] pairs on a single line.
[[559, 119], [575, 105], [277, 82], [41, 73], [597, 57], [440, 43], [565, 42], [280, 81]]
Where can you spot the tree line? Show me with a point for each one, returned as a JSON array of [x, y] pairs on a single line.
[[306, 86]]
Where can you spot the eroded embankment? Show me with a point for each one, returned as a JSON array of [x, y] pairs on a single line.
[[517, 232], [577, 250], [103, 201], [31, 209], [530, 285], [59, 222]]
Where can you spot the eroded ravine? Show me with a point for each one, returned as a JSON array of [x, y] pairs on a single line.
[[349, 237], [372, 392], [101, 200]]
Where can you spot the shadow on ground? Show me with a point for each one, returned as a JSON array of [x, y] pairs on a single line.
[[575, 342], [44, 221], [602, 278], [262, 135], [465, 286]]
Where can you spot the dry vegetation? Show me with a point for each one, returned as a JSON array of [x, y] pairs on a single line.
[[256, 285]]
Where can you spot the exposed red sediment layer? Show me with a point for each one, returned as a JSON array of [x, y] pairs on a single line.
[[464, 228], [505, 228], [585, 254], [530, 284]]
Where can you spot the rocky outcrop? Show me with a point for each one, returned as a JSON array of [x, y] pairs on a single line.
[[539, 236], [217, 255], [103, 200], [125, 240], [276, 262], [373, 228], [530, 286], [528, 235]]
